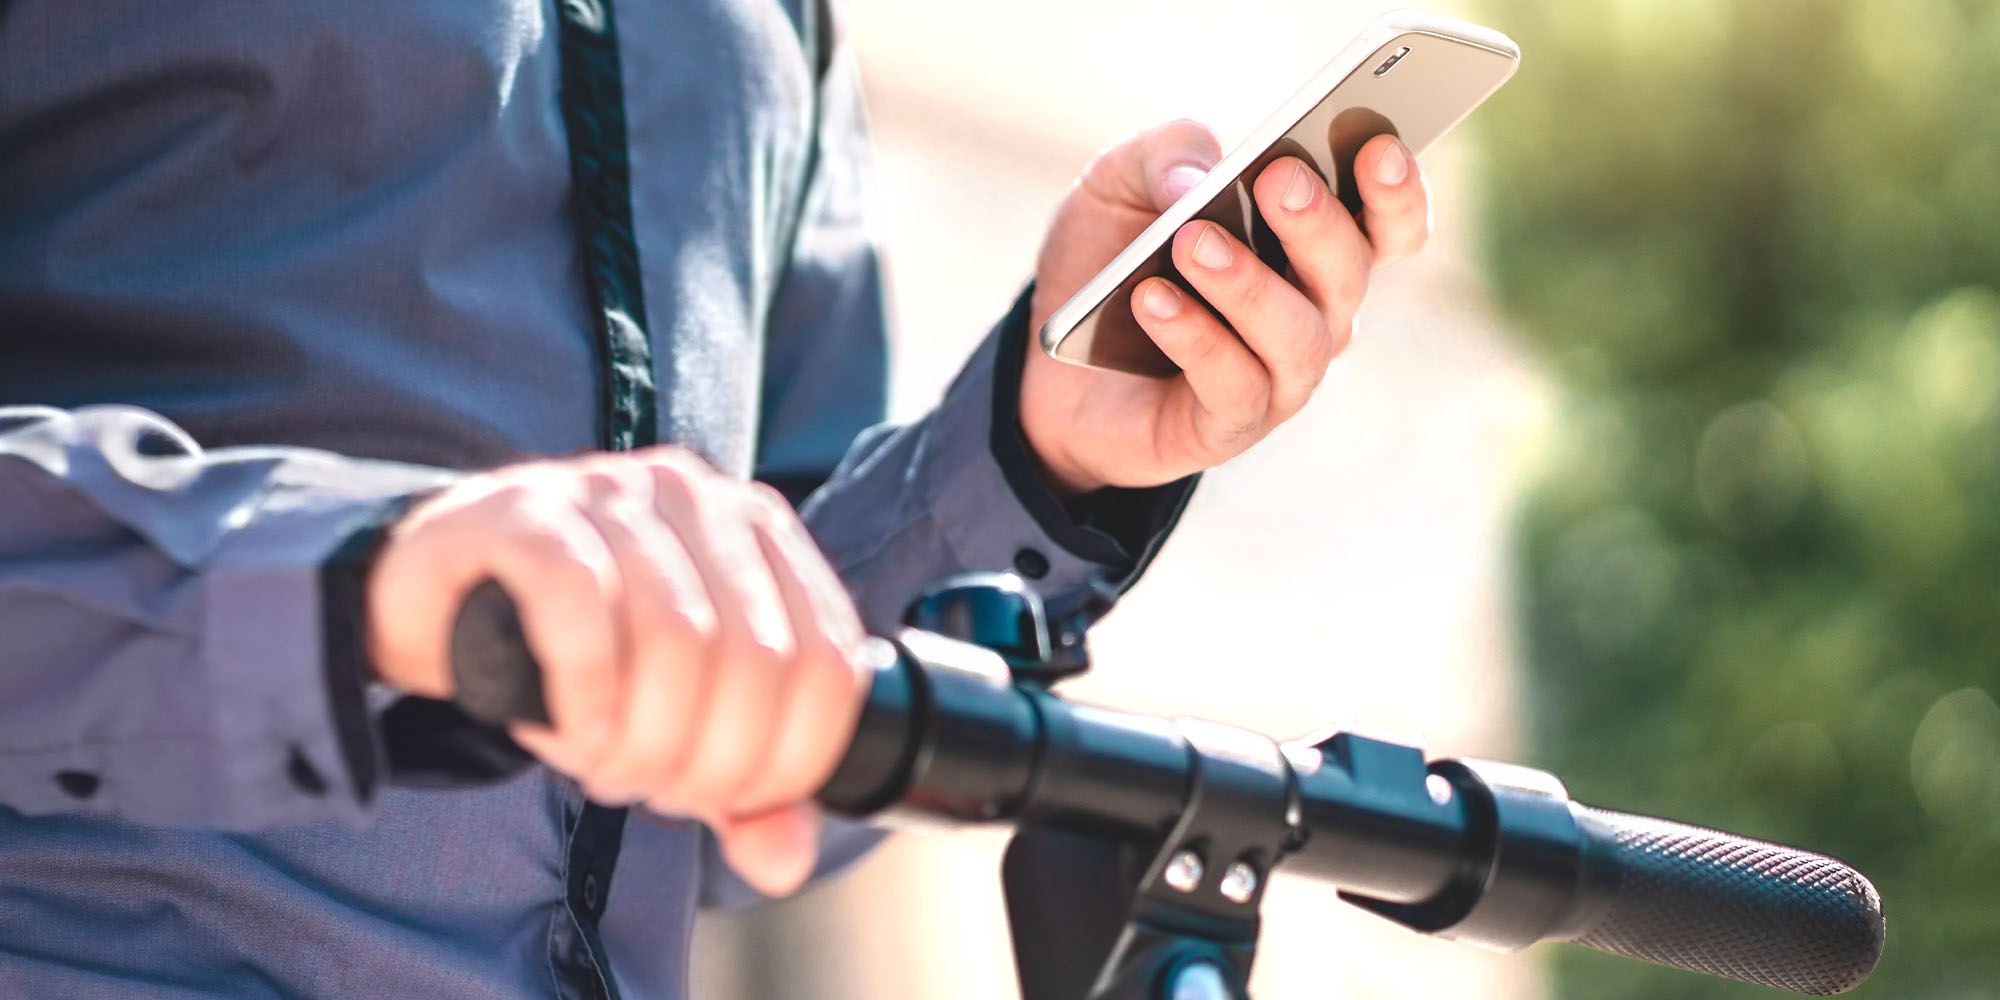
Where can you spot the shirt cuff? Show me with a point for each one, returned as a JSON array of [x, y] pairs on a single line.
[[386, 735], [330, 759], [1115, 527], [996, 513]]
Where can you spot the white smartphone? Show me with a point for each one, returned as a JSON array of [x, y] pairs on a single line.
[[1411, 74]]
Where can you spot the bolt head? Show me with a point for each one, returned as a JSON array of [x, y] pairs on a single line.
[[1199, 981], [1184, 872], [1239, 882], [1439, 788]]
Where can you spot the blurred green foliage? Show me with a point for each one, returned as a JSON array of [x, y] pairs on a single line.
[[1757, 244]]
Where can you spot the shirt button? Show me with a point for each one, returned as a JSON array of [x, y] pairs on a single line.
[[1031, 564], [79, 784], [590, 891], [304, 776]]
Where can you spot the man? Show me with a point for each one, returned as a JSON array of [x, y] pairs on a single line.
[[298, 294]]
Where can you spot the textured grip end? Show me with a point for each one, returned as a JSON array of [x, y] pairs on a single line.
[[495, 678], [1728, 906]]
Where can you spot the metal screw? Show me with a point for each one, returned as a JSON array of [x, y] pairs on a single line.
[[1199, 981], [1184, 871], [1439, 787], [1239, 882]]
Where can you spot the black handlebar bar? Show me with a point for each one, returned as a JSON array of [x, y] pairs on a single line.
[[1471, 850]]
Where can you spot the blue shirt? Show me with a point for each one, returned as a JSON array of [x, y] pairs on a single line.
[[269, 270]]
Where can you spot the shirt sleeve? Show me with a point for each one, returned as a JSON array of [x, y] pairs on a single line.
[[168, 649], [897, 508], [957, 490]]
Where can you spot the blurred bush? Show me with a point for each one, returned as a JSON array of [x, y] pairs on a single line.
[[1758, 246]]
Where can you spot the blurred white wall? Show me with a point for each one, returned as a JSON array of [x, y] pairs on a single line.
[[1352, 567]]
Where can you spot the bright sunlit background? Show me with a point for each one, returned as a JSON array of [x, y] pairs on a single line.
[[1708, 523]]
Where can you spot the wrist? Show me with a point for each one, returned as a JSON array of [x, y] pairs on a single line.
[[1065, 479], [1059, 470]]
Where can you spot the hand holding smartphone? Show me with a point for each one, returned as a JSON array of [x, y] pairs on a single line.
[[1410, 74]]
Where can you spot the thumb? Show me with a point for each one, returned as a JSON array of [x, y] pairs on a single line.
[[1150, 170], [773, 851], [1173, 158]]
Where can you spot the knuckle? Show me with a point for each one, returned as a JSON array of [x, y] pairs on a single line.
[[1319, 349], [1244, 423], [775, 513], [1102, 163], [1337, 339], [1346, 286], [672, 484], [1191, 128], [550, 549], [674, 467], [509, 497], [1254, 289], [1203, 344], [670, 629], [740, 650], [1230, 431], [1247, 425], [665, 462], [688, 461], [600, 481], [766, 499]]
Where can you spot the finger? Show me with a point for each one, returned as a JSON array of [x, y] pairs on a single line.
[[1171, 159], [544, 745], [818, 709], [669, 623], [1275, 320], [1328, 252], [1396, 205], [751, 657], [565, 585], [415, 590], [830, 597], [1227, 390], [773, 851]]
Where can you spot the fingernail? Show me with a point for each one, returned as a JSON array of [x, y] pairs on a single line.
[[1180, 180], [1394, 165], [1298, 190], [1162, 300], [1210, 249]]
